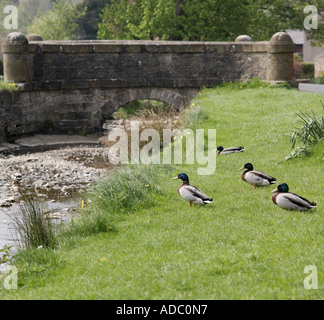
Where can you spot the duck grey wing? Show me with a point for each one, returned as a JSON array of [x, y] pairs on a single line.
[[300, 201], [235, 149], [198, 193], [265, 176]]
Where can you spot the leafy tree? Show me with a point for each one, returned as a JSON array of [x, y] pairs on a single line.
[[140, 19], [60, 23], [29, 9], [88, 23], [216, 20], [205, 20]]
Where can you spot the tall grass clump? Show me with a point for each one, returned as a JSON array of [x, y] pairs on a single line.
[[33, 225], [128, 190], [7, 85], [309, 135], [255, 83]]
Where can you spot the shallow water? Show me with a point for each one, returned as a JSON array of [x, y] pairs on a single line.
[[57, 178]]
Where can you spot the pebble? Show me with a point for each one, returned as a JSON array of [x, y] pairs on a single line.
[[57, 170]]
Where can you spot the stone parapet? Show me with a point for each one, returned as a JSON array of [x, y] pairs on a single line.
[[147, 63]]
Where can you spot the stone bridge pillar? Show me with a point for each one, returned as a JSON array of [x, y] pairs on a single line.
[[280, 57], [15, 58]]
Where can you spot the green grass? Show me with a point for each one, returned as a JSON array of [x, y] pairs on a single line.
[[142, 241], [319, 80], [7, 85]]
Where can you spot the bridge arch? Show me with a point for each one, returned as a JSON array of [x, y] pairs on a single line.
[[180, 97]]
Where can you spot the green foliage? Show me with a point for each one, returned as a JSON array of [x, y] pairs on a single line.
[[303, 70], [29, 9], [308, 69], [141, 19], [5, 256], [255, 83], [316, 36], [60, 23], [310, 134], [126, 191], [10, 86], [33, 225], [312, 130], [319, 80], [88, 23], [209, 20], [213, 20]]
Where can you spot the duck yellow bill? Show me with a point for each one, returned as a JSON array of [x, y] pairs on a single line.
[[274, 190], [241, 169], [175, 178]]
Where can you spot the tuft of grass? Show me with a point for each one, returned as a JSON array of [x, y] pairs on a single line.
[[310, 134], [255, 83], [10, 86], [32, 224], [128, 190], [319, 80]]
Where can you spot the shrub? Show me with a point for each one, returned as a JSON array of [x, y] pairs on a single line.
[[308, 70], [319, 80]]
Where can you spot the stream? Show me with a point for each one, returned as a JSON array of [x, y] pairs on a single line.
[[56, 178]]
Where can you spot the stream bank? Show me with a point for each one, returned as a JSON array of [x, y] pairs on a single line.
[[55, 169]]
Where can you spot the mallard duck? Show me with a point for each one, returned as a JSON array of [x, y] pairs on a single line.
[[256, 178], [222, 151], [191, 193], [290, 201]]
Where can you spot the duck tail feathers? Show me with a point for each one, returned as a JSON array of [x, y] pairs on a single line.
[[208, 200]]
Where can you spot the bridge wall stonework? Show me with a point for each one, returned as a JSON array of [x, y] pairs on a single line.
[[67, 86]]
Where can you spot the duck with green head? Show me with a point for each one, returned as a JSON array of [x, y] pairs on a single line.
[[290, 201], [256, 178], [226, 151], [191, 193]]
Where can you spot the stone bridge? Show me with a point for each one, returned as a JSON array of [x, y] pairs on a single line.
[[75, 86]]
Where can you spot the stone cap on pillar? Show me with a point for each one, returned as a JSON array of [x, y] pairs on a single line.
[[15, 58], [281, 42], [15, 42], [243, 38], [34, 37]]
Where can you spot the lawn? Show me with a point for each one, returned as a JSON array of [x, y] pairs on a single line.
[[147, 243]]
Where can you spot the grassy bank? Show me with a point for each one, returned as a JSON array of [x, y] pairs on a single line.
[[139, 240], [7, 85]]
